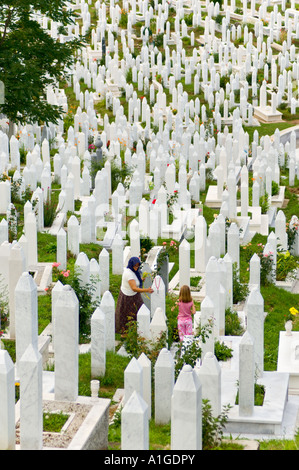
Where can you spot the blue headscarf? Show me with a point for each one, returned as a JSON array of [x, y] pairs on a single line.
[[132, 261]]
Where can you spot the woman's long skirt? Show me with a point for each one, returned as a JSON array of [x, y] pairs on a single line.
[[126, 310]]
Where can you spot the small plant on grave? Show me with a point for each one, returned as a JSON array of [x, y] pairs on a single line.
[[84, 293], [12, 220], [233, 325], [136, 344], [4, 321], [286, 266], [212, 427], [292, 233], [123, 21], [266, 269], [240, 290], [15, 191], [259, 393], [23, 153], [189, 353], [50, 212], [146, 244], [165, 253], [171, 200], [264, 203], [222, 351], [275, 188], [292, 315]]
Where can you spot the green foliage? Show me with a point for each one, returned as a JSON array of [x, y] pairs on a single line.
[[30, 59], [136, 344], [212, 427], [50, 212], [240, 290], [233, 325], [85, 294], [285, 265], [264, 203], [189, 353], [53, 422], [222, 352]]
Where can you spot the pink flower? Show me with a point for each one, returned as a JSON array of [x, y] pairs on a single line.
[[46, 289], [55, 265], [66, 273], [164, 243]]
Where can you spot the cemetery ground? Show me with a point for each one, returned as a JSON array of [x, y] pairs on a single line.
[[106, 108], [275, 301]]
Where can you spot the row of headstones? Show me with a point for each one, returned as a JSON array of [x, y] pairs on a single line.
[[180, 402]]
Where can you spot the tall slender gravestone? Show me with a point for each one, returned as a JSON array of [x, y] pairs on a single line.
[[186, 411], [31, 399], [7, 403], [66, 346]]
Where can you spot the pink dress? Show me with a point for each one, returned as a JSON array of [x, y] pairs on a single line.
[[185, 319]]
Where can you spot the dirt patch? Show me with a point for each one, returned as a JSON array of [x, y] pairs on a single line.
[[63, 439]]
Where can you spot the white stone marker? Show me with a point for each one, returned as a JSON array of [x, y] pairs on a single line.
[[143, 321], [66, 347], [135, 424], [184, 263], [73, 231], [164, 383], [31, 235], [17, 265], [255, 327], [7, 402], [31, 400], [145, 363], [61, 255], [158, 325], [26, 316], [246, 375], [108, 307], [255, 271], [104, 269], [186, 411], [210, 377], [133, 379], [98, 343]]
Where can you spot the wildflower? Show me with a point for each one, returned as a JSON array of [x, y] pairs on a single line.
[[55, 265], [293, 311]]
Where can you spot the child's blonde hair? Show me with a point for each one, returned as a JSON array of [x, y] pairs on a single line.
[[185, 294]]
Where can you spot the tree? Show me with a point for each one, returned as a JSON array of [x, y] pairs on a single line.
[[31, 60]]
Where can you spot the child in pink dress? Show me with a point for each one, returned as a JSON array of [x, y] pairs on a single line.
[[186, 310]]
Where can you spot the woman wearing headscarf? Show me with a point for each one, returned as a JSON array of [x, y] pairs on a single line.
[[129, 299]]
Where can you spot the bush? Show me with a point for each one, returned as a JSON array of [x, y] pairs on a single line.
[[240, 290], [50, 212], [212, 427]]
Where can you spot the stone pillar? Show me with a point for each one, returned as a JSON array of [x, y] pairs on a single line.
[[255, 327], [186, 411], [133, 379], [66, 347], [7, 402], [108, 307], [31, 400], [135, 424], [26, 316], [98, 343], [164, 383], [246, 375]]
